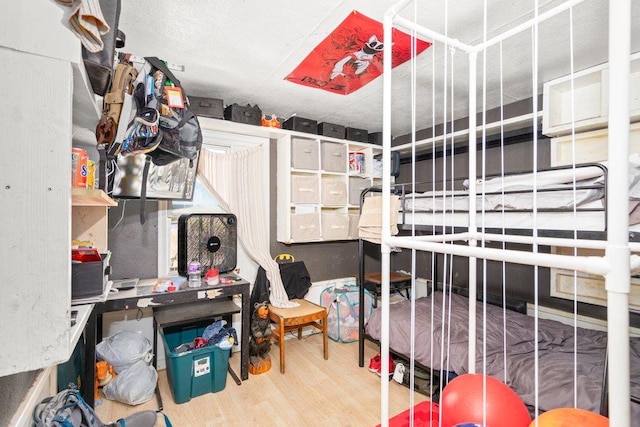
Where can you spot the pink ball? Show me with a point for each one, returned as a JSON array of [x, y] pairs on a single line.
[[462, 402]]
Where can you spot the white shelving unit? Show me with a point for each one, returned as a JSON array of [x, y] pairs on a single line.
[[46, 95], [319, 188], [589, 100]]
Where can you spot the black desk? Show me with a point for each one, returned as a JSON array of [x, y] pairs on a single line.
[[138, 298]]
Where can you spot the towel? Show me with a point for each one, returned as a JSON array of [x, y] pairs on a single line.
[[87, 23], [370, 224]]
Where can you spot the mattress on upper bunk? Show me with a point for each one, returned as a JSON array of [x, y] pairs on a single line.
[[555, 349], [565, 199]]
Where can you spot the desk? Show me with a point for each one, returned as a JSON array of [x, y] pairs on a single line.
[[141, 297]]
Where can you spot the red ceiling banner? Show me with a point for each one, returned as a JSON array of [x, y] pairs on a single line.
[[351, 56]]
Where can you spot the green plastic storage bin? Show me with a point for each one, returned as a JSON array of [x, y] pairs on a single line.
[[196, 372]]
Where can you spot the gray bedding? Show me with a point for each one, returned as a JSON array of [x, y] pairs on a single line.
[[555, 350]]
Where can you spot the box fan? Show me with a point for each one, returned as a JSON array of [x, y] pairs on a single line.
[[208, 238]]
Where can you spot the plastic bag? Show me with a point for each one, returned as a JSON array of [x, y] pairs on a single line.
[[133, 386], [123, 349]]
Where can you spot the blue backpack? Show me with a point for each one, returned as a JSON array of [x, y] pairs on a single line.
[[69, 409]]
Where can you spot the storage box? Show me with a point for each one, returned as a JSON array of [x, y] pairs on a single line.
[[333, 157], [356, 186], [305, 227], [88, 279], [301, 124], [243, 114], [206, 107], [334, 191], [305, 154], [329, 129], [196, 372], [360, 135], [354, 229], [335, 226], [305, 189], [375, 138]]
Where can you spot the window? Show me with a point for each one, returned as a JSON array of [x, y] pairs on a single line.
[[203, 201]]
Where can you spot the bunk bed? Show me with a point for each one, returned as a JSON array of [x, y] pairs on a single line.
[[564, 197], [459, 336]]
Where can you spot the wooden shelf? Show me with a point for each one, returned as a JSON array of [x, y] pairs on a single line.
[[87, 197]]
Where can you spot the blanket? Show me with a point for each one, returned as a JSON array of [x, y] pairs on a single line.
[[442, 343]]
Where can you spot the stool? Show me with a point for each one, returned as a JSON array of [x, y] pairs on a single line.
[[288, 319]]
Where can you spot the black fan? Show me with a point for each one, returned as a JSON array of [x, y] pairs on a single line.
[[208, 238]]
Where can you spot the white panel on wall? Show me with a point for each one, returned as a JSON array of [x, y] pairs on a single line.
[[35, 267]]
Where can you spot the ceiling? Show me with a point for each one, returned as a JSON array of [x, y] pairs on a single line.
[[240, 51]]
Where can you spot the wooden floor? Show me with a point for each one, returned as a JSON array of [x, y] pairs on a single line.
[[312, 392]]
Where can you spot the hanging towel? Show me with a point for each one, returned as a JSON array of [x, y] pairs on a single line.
[[87, 22], [370, 224]]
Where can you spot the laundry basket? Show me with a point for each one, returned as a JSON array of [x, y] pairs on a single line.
[[343, 311]]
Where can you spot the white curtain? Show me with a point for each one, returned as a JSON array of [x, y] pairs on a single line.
[[235, 179]]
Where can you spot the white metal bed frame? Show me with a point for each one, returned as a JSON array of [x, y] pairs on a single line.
[[617, 262]]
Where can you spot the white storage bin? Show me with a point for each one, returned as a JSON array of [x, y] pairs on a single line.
[[356, 185], [354, 231], [334, 191], [335, 226], [305, 189], [305, 227], [333, 157], [304, 153]]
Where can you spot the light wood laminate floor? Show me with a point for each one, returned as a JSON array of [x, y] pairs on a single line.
[[312, 392]]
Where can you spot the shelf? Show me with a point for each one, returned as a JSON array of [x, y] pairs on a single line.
[[87, 197], [318, 190], [580, 101]]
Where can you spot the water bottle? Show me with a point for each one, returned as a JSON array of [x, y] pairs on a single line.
[[193, 271]]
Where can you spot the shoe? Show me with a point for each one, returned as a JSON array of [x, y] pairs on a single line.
[[398, 373], [374, 364], [391, 366]]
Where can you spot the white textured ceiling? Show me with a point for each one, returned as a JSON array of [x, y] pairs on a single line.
[[241, 51]]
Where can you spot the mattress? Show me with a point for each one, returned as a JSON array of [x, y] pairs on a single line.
[[564, 199], [443, 345]]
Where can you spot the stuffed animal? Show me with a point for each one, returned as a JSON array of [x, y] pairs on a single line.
[[260, 340]]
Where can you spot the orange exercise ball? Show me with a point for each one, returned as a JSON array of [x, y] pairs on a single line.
[[570, 417], [462, 402]]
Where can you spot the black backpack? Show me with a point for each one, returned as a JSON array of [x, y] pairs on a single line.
[[159, 129]]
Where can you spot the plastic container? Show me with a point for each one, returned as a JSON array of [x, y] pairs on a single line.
[[212, 277], [194, 274], [195, 372]]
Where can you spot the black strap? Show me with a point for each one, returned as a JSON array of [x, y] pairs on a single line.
[[143, 189], [160, 65]]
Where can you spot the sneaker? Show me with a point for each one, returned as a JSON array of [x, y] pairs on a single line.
[[391, 366], [398, 373], [374, 364]]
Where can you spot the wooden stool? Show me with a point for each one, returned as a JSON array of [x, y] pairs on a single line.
[[288, 319]]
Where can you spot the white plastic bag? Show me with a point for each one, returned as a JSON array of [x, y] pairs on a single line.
[[123, 349], [133, 386]]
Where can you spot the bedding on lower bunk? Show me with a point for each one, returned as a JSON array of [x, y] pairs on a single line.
[[446, 348]]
